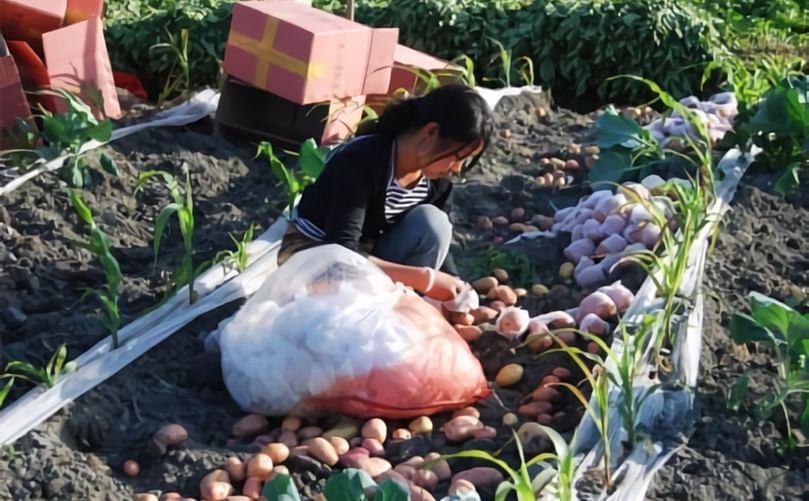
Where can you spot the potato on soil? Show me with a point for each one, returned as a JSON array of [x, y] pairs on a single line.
[[485, 284], [215, 486], [467, 411], [461, 428], [375, 428], [485, 223], [509, 375], [235, 468], [259, 466], [481, 476], [131, 468], [421, 425], [500, 274], [401, 434], [250, 426], [469, 333], [278, 452], [308, 432], [322, 450]]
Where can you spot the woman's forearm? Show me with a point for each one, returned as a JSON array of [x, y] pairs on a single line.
[[417, 277]]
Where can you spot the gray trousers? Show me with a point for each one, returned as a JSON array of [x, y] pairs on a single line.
[[421, 238]]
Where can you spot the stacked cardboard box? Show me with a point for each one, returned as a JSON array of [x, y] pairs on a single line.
[[56, 44], [410, 69], [297, 72], [13, 104]]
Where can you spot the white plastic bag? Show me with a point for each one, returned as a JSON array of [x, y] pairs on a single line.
[[330, 332]]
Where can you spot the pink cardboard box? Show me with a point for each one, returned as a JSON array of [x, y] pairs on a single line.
[[28, 19], [307, 55], [13, 104], [82, 10], [407, 65], [77, 61]]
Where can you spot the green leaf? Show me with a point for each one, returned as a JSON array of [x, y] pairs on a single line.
[[281, 488], [611, 167], [5, 391], [347, 485], [311, 159], [614, 130], [744, 329], [108, 165], [804, 415], [738, 392], [81, 208], [789, 181], [101, 132], [390, 490], [57, 361], [771, 313], [160, 225]]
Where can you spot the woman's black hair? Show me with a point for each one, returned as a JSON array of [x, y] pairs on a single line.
[[461, 113]]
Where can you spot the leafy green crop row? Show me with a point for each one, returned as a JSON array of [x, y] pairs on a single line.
[[574, 44]]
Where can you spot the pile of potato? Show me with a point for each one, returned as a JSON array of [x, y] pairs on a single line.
[[347, 445], [559, 172], [606, 226], [717, 114]]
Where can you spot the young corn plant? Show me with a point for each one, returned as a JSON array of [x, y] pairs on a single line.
[[786, 332], [526, 68], [311, 162], [179, 79], [98, 244], [43, 376], [666, 264], [183, 206], [600, 413], [236, 260], [689, 212], [627, 364], [520, 481]]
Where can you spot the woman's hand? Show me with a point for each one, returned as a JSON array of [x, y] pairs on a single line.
[[442, 286]]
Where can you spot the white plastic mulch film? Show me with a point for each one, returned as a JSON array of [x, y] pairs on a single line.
[[215, 288], [668, 409]]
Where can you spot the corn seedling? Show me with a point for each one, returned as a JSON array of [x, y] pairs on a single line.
[[600, 413], [626, 363], [98, 244], [45, 376], [179, 79], [6, 389], [676, 240], [505, 57], [559, 475], [236, 259], [520, 480], [183, 206], [786, 331], [468, 64], [311, 162]]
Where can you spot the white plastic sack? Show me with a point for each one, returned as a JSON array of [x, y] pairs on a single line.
[[330, 332]]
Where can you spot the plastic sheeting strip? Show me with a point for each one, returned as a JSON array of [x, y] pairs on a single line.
[[199, 106], [100, 362], [669, 408]]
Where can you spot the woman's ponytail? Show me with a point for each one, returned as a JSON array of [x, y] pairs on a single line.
[[398, 118], [463, 116]]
